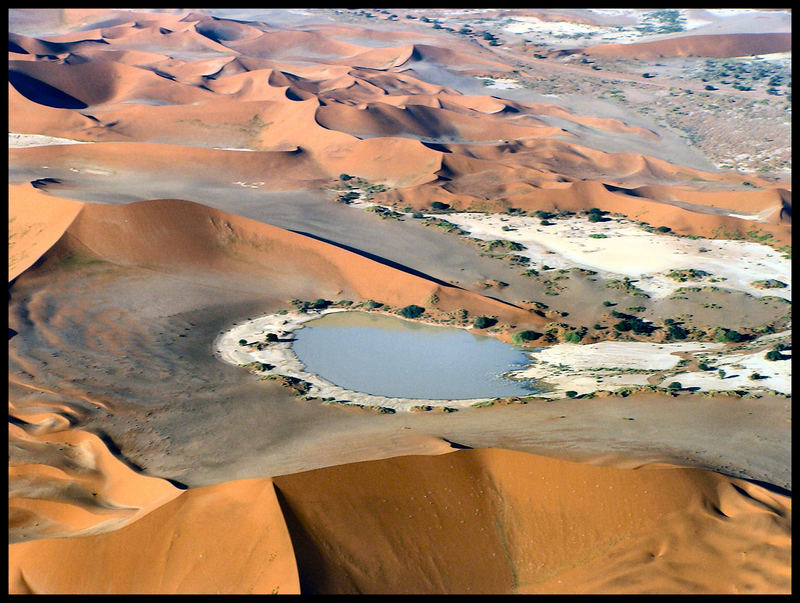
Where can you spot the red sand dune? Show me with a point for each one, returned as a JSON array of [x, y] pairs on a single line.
[[72, 485], [36, 221], [179, 235], [473, 521], [721, 45]]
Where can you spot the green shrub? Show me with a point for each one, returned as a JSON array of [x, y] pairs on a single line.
[[484, 322], [573, 337], [674, 385], [775, 355], [675, 332], [623, 326], [439, 205], [272, 337], [345, 177], [522, 337], [728, 336], [571, 393], [412, 311], [242, 342]]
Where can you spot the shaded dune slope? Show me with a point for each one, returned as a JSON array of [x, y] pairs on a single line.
[[472, 521], [179, 235]]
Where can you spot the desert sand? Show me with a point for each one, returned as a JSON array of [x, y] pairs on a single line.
[[180, 180]]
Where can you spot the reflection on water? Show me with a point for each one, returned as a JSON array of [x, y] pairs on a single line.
[[387, 356]]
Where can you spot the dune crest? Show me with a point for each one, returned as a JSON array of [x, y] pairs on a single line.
[[472, 521]]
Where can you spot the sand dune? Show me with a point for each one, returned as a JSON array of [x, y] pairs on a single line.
[[220, 539], [721, 45], [115, 304], [36, 221], [473, 521], [179, 235]]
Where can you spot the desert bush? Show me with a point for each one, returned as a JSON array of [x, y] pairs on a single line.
[[571, 393], [728, 336], [675, 385], [623, 326], [412, 311], [484, 322], [676, 332], [439, 205], [573, 337], [272, 337], [242, 342], [774, 355], [522, 337]]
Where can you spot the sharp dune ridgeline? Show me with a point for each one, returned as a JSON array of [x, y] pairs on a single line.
[[607, 190], [474, 521]]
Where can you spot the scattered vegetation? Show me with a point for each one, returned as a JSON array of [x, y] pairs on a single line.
[[769, 283], [686, 274], [626, 284], [444, 225]]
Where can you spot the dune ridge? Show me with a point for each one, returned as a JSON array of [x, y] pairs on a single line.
[[472, 521], [714, 45]]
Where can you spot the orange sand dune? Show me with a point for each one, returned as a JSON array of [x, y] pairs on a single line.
[[379, 119], [28, 117], [34, 46], [768, 202], [495, 521], [36, 221], [722, 45], [381, 58], [65, 482], [291, 44], [180, 235], [472, 521], [135, 58], [99, 83], [453, 59], [229, 538]]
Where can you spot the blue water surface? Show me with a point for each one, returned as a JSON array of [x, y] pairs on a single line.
[[387, 356]]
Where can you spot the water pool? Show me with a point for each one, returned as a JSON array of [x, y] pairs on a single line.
[[386, 356]]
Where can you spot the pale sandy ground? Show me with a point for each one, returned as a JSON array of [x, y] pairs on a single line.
[[21, 141], [606, 365], [502, 83], [631, 251]]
